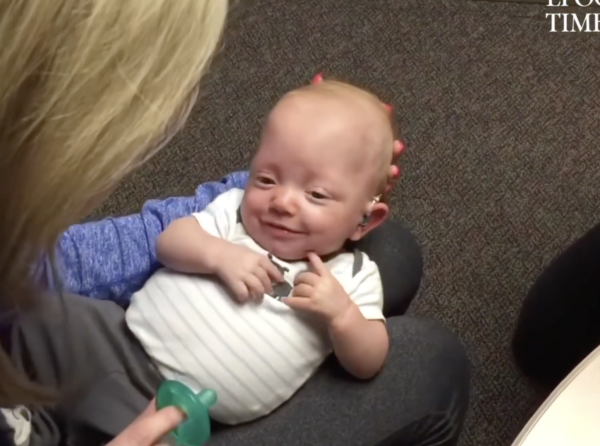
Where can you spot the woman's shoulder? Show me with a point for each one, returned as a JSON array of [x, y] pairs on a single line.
[[15, 426]]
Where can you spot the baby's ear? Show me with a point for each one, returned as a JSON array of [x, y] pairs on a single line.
[[379, 214]]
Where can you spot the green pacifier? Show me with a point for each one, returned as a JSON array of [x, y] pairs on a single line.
[[195, 430]]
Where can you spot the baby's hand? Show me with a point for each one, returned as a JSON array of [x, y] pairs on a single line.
[[246, 273], [319, 292]]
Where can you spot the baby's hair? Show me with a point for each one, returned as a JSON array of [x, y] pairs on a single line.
[[334, 85]]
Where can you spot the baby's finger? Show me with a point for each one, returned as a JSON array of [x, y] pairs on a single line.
[[303, 290], [298, 303], [316, 265], [262, 275], [273, 272], [240, 291], [307, 277], [255, 287]]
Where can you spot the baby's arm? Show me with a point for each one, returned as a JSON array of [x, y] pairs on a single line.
[[200, 244], [360, 345], [359, 336], [186, 247]]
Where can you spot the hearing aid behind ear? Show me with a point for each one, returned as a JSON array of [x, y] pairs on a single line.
[[366, 217]]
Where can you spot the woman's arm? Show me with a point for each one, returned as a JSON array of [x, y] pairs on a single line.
[[112, 258]]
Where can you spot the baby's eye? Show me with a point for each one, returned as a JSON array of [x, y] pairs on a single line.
[[318, 196], [265, 180]]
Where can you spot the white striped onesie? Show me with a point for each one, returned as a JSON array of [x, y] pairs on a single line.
[[254, 355]]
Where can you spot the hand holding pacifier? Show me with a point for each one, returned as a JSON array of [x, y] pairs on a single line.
[[195, 430], [150, 427]]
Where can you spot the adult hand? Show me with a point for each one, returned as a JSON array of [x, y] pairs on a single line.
[[150, 427], [247, 274], [394, 171]]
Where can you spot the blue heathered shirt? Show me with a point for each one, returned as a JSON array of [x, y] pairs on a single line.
[[112, 258]]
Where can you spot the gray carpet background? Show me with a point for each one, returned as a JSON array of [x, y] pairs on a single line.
[[502, 168]]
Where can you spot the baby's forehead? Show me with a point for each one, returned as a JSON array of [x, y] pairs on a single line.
[[341, 107], [332, 95], [351, 123]]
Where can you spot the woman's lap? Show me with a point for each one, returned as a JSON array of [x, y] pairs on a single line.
[[420, 398], [558, 325]]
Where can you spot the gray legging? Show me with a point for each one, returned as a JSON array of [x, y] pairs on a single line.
[[419, 399]]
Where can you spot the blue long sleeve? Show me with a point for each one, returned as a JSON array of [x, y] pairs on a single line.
[[112, 258]]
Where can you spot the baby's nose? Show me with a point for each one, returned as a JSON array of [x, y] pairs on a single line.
[[284, 202]]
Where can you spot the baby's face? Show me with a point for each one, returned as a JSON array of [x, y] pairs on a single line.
[[310, 182]]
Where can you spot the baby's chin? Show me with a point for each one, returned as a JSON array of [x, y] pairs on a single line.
[[291, 252], [294, 249], [283, 251]]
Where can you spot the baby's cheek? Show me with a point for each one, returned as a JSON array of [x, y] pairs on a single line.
[[320, 219], [335, 229], [253, 201]]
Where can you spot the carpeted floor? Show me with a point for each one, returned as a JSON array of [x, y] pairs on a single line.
[[502, 168]]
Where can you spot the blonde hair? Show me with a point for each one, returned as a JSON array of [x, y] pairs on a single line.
[[89, 89], [384, 152]]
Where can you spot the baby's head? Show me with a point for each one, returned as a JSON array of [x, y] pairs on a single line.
[[320, 169]]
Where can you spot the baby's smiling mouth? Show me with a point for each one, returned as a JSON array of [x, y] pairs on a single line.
[[280, 227]]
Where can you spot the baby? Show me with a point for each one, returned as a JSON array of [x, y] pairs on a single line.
[[259, 288]]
